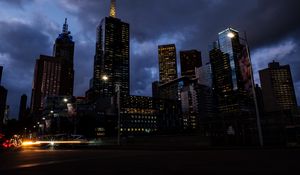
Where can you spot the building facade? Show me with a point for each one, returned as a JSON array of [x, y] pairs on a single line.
[[54, 75], [278, 88], [59, 115], [222, 81], [170, 116], [189, 107], [232, 73], [232, 47], [139, 116], [112, 57], [1, 70], [3, 98], [47, 81], [204, 75], [23, 108], [64, 50], [155, 89], [167, 63], [172, 89], [189, 60]]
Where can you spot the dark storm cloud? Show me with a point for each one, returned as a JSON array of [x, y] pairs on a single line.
[[84, 53], [271, 25], [21, 44], [18, 3], [267, 22]]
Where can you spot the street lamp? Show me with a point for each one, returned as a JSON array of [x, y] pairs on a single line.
[[119, 117], [25, 129], [226, 105], [117, 90], [258, 123], [65, 100], [105, 78]]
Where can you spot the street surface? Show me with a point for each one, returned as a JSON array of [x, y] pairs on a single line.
[[152, 162]]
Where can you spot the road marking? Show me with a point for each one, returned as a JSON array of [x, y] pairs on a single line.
[[45, 163], [31, 165], [53, 162]]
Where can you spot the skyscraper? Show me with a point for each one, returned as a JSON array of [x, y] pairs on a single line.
[[167, 63], [189, 106], [222, 80], [155, 89], [54, 76], [1, 70], [232, 47], [112, 56], [47, 80], [3, 96], [189, 60], [204, 75], [22, 107], [232, 86], [236, 92], [64, 50], [277, 88]]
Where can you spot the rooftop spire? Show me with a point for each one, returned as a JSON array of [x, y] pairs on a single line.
[[113, 12], [65, 27]]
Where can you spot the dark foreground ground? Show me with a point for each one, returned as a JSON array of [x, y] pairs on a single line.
[[152, 162]]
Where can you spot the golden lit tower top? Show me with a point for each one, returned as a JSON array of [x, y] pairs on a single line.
[[113, 12]]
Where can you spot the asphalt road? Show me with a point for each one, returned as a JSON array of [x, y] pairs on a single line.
[[155, 162]]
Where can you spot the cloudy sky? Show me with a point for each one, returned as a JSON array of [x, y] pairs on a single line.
[[28, 28]]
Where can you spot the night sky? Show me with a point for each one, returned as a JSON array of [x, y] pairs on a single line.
[[28, 28]]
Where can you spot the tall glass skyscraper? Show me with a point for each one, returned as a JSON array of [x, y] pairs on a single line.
[[235, 92], [222, 81], [232, 47], [112, 57]]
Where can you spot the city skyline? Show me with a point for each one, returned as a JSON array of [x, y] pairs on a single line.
[[224, 77], [264, 46]]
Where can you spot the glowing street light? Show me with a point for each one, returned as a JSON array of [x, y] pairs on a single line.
[[230, 35], [65, 100], [105, 78]]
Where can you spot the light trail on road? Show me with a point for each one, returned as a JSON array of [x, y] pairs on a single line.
[[37, 143]]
